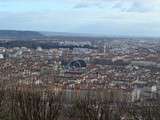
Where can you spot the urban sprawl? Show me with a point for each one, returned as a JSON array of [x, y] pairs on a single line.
[[128, 67]]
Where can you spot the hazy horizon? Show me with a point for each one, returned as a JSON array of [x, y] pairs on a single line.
[[98, 17]]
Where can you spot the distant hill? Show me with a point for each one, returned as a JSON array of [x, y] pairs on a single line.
[[30, 35], [67, 34], [19, 35], [42, 35]]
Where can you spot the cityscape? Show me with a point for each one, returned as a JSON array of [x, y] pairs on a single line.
[[123, 65], [118, 70], [79, 60]]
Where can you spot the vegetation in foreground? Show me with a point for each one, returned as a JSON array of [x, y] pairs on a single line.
[[35, 105]]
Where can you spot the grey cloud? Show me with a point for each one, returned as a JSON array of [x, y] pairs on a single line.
[[133, 6], [81, 6], [88, 5], [137, 7], [121, 5]]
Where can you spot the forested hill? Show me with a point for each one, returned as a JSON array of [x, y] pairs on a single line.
[[20, 35]]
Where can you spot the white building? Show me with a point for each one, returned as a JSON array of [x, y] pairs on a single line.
[[1, 56]]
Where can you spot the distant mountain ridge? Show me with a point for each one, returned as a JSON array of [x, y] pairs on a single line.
[[30, 35], [25, 35], [16, 34], [39, 35], [67, 34]]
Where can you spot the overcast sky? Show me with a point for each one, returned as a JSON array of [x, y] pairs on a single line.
[[105, 17]]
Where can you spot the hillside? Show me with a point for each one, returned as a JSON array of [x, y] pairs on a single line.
[[20, 35]]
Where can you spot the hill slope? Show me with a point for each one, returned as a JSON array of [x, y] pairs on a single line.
[[14, 34]]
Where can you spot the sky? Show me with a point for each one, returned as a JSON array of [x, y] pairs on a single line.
[[98, 17]]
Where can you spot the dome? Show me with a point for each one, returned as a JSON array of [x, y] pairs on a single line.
[[77, 64]]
